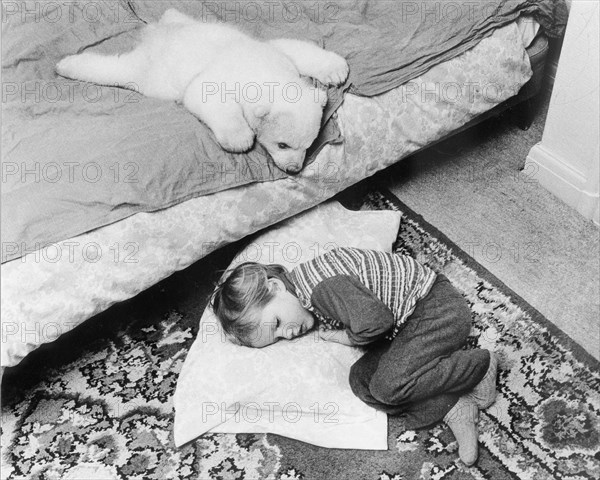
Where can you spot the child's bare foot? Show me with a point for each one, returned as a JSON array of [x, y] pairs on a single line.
[[484, 393], [462, 420]]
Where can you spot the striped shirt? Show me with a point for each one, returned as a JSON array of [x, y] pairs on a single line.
[[399, 281]]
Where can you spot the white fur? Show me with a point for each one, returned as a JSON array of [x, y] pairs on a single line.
[[240, 87]]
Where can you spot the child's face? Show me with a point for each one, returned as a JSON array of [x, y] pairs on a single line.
[[283, 317]]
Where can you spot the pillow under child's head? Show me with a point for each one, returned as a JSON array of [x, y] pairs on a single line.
[[297, 388]]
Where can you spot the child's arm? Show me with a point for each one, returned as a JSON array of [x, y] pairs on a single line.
[[337, 336], [345, 299]]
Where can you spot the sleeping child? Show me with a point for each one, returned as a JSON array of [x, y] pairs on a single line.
[[413, 323]]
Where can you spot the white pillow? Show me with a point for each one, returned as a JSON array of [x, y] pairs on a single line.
[[296, 388]]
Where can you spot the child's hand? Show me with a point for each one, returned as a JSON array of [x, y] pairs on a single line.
[[325, 334], [337, 336]]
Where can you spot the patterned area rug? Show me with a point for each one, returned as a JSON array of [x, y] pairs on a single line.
[[97, 404]]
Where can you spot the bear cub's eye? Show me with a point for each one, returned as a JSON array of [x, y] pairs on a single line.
[[283, 146]]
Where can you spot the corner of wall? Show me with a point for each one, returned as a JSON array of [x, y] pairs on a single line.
[[567, 160]]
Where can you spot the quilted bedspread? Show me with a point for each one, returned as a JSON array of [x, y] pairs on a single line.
[[47, 292]]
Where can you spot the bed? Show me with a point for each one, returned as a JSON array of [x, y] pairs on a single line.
[[54, 283]]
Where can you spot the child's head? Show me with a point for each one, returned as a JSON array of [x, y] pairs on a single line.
[[256, 309]]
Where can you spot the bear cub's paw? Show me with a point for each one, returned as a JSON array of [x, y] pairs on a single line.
[[237, 137], [333, 70]]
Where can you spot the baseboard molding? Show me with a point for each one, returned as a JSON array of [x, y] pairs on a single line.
[[568, 184]]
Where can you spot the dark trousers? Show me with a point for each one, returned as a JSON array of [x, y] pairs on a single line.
[[422, 372]]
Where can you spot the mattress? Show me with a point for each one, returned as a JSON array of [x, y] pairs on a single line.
[[51, 290]]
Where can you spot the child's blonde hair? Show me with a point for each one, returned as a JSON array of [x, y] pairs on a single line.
[[242, 289]]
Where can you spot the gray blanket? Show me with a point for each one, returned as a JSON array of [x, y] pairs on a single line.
[[77, 156]]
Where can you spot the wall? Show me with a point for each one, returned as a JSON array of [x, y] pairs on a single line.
[[567, 160]]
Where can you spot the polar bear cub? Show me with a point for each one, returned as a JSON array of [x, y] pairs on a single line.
[[241, 88]]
